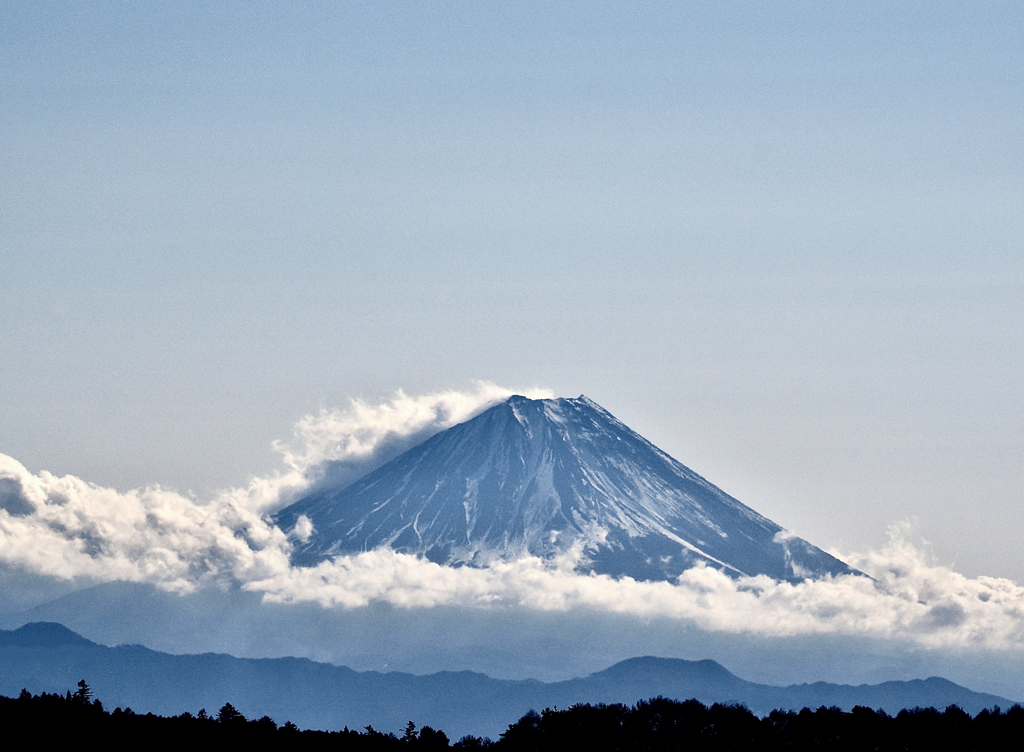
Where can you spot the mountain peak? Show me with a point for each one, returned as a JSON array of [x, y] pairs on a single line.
[[46, 634], [549, 478]]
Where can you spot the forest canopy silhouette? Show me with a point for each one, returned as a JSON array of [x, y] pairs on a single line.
[[650, 725]]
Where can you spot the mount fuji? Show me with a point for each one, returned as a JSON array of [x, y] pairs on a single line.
[[551, 478]]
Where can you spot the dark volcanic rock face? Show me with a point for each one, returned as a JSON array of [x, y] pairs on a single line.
[[551, 478]]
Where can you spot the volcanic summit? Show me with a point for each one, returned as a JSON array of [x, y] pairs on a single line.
[[550, 478]]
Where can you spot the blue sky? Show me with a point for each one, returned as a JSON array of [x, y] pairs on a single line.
[[781, 241]]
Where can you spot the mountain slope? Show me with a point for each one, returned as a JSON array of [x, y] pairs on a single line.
[[551, 478], [42, 634], [320, 695]]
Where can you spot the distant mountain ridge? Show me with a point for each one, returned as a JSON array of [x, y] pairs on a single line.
[[551, 478], [42, 634], [48, 657]]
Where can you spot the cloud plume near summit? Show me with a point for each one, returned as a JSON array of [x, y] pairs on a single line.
[[71, 530]]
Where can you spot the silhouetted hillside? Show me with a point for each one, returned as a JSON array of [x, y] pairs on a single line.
[[56, 721], [50, 658]]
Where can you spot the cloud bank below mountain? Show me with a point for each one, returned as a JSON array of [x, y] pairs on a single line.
[[70, 530]]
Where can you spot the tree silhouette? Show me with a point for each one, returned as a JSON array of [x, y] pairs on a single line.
[[228, 714], [83, 693]]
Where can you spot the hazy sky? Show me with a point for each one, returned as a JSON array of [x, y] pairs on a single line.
[[782, 241]]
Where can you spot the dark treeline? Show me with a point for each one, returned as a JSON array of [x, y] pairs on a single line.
[[649, 726], [53, 721], [660, 724]]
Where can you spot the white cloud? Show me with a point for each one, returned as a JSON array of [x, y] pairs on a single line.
[[909, 598], [342, 445], [72, 530], [80, 531], [357, 433]]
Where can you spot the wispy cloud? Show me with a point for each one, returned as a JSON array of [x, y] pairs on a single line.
[[343, 444], [350, 442], [67, 528], [909, 598]]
